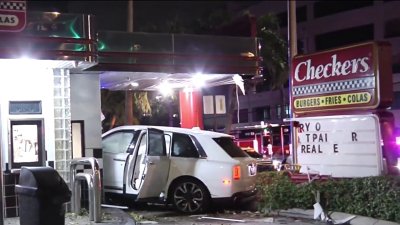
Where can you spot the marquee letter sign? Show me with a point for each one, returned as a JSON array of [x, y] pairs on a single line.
[[12, 15], [340, 146]]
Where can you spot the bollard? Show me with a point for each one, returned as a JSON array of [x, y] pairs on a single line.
[[77, 189], [94, 184]]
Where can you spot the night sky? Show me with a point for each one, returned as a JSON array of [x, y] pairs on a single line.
[[111, 15]]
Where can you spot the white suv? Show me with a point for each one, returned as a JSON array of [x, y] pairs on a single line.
[[189, 168]]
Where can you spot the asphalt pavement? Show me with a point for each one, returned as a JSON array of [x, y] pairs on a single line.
[[155, 214]]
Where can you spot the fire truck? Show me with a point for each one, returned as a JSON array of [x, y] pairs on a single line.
[[267, 139]]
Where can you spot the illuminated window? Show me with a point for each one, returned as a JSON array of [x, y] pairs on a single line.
[[278, 112], [287, 111]]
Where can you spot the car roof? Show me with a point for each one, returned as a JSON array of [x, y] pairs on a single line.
[[193, 131]]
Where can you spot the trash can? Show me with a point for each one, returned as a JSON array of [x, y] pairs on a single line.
[[41, 196]]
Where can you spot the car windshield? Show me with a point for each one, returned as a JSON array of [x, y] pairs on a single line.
[[230, 147]]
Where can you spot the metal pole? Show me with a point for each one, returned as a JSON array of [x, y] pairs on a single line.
[[292, 51], [129, 93], [282, 142], [130, 16], [94, 185], [93, 212]]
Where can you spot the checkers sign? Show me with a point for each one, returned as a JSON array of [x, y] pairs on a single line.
[[353, 77], [12, 15]]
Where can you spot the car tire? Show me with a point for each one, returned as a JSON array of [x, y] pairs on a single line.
[[190, 197]]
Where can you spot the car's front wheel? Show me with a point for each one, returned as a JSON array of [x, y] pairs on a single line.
[[190, 196]]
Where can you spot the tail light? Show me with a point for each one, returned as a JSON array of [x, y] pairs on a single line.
[[236, 173]]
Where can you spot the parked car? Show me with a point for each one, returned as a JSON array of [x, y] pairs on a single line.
[[189, 168], [263, 163]]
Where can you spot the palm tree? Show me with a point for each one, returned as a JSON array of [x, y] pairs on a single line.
[[275, 63], [274, 51], [113, 108]]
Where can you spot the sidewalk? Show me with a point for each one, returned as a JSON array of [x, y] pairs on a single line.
[[111, 216], [336, 216]]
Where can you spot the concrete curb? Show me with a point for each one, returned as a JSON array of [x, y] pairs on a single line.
[[358, 220]]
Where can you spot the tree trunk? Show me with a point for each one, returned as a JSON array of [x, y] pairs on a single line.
[[128, 107], [113, 121]]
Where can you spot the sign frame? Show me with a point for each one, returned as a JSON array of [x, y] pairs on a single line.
[[28, 134], [322, 147], [318, 86]]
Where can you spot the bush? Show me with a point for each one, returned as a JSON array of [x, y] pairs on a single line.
[[377, 197]]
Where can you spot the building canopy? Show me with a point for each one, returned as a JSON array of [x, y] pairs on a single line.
[[131, 60]]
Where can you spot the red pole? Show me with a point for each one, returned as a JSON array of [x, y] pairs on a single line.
[[191, 109]]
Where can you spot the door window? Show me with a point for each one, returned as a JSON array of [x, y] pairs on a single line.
[[117, 142], [156, 143], [182, 146], [140, 163]]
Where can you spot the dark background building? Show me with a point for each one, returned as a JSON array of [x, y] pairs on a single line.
[[324, 25]]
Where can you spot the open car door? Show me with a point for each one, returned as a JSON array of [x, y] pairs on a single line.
[[116, 147], [154, 173]]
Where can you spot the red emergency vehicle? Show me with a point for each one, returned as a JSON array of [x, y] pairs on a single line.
[[268, 140]]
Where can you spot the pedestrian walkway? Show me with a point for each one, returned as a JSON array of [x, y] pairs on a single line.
[[336, 216], [114, 216]]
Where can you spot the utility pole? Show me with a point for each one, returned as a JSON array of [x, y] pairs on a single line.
[[130, 16], [292, 51], [129, 93]]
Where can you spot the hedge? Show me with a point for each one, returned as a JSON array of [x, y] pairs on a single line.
[[377, 197]]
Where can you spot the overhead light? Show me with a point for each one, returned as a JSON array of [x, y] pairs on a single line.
[[198, 80], [165, 88], [187, 89], [247, 54], [134, 84], [257, 77]]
